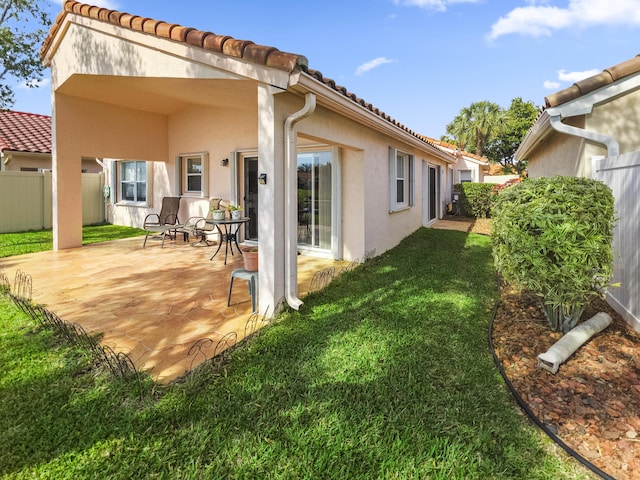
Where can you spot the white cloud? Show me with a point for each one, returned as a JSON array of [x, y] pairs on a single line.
[[570, 77], [573, 77], [370, 65], [539, 18], [437, 5]]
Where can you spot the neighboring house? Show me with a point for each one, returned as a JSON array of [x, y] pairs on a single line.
[[183, 112], [468, 167], [592, 129], [25, 143]]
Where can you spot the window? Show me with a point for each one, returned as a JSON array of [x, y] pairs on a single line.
[[466, 176], [133, 181], [401, 183], [192, 172]]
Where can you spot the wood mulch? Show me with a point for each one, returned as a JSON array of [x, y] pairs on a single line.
[[592, 403]]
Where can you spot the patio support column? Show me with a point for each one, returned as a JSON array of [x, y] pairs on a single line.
[[67, 178], [271, 118]]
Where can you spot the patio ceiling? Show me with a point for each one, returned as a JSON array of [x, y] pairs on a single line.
[[163, 95]]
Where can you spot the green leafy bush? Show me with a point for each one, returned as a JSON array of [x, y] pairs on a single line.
[[553, 236], [476, 198]]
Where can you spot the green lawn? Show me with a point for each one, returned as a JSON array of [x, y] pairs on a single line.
[[41, 240], [386, 373]]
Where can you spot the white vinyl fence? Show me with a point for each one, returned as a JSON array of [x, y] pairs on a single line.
[[622, 174], [26, 200]]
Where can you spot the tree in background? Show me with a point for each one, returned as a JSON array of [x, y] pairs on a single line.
[[475, 125], [502, 147], [486, 129], [23, 27]]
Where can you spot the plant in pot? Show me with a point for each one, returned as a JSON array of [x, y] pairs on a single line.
[[250, 257], [235, 211], [217, 214]]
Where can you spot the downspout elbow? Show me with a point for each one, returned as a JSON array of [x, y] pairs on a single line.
[[613, 148], [291, 200]]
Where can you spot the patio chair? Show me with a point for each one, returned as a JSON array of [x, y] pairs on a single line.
[[198, 226], [163, 222]]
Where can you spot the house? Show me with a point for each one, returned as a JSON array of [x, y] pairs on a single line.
[[592, 129], [25, 143], [469, 167], [184, 112]]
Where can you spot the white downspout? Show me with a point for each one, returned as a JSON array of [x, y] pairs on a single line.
[[613, 148], [291, 202]]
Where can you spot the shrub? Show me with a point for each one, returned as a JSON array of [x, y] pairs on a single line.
[[553, 236], [476, 198]]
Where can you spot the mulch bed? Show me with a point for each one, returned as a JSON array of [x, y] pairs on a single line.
[[593, 402]]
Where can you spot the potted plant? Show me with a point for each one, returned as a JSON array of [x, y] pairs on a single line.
[[235, 211], [250, 257], [217, 214]]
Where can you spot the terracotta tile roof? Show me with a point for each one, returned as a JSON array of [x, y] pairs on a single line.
[[25, 132], [245, 49], [607, 76], [451, 146]]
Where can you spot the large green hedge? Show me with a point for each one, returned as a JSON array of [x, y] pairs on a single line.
[[553, 236], [476, 198]]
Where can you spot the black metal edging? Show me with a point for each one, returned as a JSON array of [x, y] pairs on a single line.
[[532, 416]]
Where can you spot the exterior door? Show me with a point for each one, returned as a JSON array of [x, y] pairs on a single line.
[[250, 197], [433, 193]]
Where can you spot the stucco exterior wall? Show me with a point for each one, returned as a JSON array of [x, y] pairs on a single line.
[[619, 118], [379, 229], [559, 154], [18, 161]]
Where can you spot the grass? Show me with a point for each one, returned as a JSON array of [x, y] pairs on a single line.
[[41, 240], [386, 373]]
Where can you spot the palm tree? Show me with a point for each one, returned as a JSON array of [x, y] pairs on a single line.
[[475, 125]]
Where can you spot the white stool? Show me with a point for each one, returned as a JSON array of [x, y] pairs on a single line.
[[252, 278]]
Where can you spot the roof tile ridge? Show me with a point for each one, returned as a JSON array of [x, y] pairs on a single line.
[[316, 74], [245, 49], [29, 114]]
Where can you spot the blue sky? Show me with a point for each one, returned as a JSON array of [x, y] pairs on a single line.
[[419, 61]]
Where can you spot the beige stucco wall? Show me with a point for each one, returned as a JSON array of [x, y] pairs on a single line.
[[367, 156], [559, 154], [83, 128], [19, 161]]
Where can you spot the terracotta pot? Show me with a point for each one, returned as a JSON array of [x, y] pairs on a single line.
[[250, 257]]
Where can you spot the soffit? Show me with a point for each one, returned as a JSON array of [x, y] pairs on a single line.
[[163, 95]]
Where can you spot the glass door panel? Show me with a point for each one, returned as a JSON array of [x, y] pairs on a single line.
[[314, 199], [251, 197]]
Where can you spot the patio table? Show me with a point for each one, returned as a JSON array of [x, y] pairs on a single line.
[[228, 231]]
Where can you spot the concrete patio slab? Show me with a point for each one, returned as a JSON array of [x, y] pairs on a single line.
[[151, 303]]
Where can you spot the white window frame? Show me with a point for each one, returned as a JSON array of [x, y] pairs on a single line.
[[117, 182], [183, 175], [466, 171], [404, 176]]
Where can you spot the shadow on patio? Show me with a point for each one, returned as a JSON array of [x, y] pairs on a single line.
[[151, 303]]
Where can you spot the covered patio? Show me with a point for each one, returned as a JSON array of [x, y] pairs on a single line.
[[151, 303]]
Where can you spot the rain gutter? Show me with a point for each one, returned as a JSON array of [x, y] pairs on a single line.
[[291, 201]]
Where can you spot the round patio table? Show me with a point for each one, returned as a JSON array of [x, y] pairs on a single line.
[[228, 231]]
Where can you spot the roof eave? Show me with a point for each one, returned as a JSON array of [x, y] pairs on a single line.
[[539, 131], [335, 101]]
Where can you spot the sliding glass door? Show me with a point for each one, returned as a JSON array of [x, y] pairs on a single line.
[[314, 199]]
